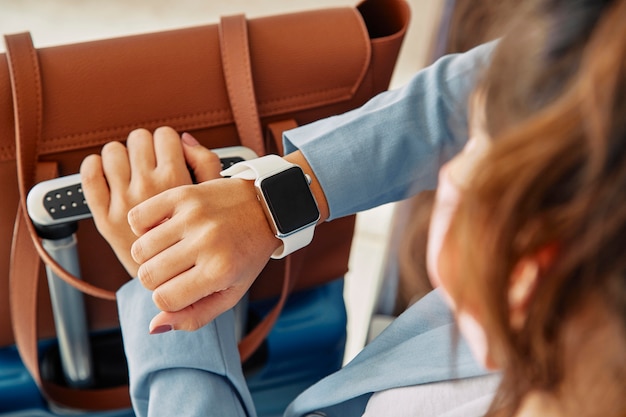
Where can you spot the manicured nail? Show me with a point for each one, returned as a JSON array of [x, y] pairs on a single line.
[[189, 140], [164, 328]]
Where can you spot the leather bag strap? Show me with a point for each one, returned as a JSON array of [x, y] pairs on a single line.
[[26, 89], [251, 342], [274, 135], [235, 51], [23, 286], [27, 105], [26, 248]]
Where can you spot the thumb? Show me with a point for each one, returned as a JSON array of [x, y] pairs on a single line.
[[205, 164]]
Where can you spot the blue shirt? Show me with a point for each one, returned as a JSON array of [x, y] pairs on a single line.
[[392, 147]]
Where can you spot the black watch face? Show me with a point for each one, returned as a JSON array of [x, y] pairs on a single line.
[[290, 200]]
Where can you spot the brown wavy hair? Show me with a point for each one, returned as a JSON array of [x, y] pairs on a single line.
[[555, 177]]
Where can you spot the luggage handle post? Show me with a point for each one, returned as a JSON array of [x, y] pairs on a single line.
[[70, 320]]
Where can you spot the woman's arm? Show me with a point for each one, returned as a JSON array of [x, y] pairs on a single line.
[[393, 146], [201, 247], [181, 373]]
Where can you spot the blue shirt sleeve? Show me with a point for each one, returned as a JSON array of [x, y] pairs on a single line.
[[181, 373], [392, 147]]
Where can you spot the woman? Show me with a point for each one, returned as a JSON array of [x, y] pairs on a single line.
[[539, 292]]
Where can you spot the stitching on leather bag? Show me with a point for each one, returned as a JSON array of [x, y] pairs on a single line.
[[7, 153], [35, 68], [48, 145], [227, 74], [144, 123], [34, 61], [271, 105], [268, 106], [251, 103], [347, 92], [39, 116]]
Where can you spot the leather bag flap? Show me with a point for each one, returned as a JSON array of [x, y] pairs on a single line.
[[300, 61]]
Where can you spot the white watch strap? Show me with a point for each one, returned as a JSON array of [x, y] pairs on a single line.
[[255, 168], [261, 167], [294, 242]]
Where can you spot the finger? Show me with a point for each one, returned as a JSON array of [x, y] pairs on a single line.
[[169, 152], [169, 264], [150, 213], [185, 289], [156, 239], [205, 164], [95, 188], [140, 152], [193, 285], [196, 315], [116, 167]]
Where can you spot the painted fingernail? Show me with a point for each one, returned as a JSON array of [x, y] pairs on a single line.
[[164, 328], [189, 140]]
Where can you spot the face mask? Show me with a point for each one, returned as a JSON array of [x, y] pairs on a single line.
[[446, 202]]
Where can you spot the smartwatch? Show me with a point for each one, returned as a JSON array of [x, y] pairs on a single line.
[[284, 192]]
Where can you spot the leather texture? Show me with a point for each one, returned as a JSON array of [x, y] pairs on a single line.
[[237, 82]]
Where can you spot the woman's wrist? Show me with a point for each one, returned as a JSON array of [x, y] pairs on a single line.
[[298, 158]]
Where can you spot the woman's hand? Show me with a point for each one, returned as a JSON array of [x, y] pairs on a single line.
[[200, 248], [124, 176]]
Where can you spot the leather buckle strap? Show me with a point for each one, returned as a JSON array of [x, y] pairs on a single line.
[[24, 269], [27, 105], [23, 285], [26, 89], [235, 52]]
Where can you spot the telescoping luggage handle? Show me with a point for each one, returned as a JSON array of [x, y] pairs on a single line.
[[55, 207]]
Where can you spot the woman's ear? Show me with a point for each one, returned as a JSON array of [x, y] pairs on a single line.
[[524, 279], [521, 288]]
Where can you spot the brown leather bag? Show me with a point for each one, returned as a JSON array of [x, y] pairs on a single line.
[[239, 82]]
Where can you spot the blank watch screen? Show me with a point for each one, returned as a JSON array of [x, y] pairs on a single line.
[[290, 200]]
